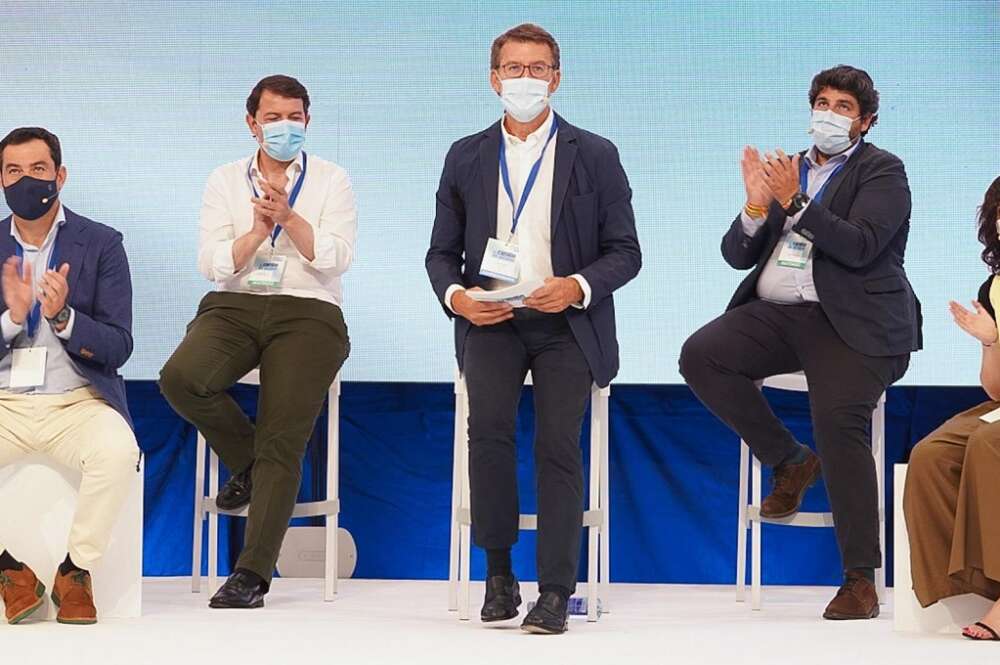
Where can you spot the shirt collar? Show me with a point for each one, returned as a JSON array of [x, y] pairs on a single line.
[[535, 138], [59, 222], [836, 159], [293, 169]]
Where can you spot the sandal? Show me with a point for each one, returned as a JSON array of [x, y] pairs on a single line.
[[995, 637]]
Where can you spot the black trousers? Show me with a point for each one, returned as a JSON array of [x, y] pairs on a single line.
[[497, 358], [721, 362]]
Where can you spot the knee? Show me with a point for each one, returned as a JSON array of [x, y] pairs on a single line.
[[983, 444], [174, 381], [118, 456], [926, 458], [694, 357]]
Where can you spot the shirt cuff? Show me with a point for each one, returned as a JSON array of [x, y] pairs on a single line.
[[222, 262], [585, 287], [66, 332], [751, 225], [452, 290], [10, 329]]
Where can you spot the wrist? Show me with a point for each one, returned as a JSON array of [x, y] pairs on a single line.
[[755, 210], [17, 317]]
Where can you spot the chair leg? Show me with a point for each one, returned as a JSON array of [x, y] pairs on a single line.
[[465, 532], [199, 513], [594, 500], [465, 594], [332, 490], [458, 440], [755, 556], [878, 448], [605, 531], [213, 526], [330, 569], [741, 525]]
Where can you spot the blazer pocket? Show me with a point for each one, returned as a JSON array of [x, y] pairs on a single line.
[[887, 284]]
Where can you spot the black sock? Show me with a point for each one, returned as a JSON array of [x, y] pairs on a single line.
[[562, 591], [7, 562], [254, 577], [498, 562], [868, 573], [800, 455], [67, 566]]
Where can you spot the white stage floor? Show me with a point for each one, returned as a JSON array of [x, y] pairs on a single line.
[[406, 623]]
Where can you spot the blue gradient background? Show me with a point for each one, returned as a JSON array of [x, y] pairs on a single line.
[[148, 98]]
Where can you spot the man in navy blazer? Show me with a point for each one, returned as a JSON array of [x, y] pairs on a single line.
[[66, 322], [824, 233], [532, 199]]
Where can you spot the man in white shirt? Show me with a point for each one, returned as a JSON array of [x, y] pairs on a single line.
[[277, 233], [531, 199]]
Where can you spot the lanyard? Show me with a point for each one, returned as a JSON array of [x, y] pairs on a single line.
[[292, 197], [804, 179], [35, 315], [532, 175]]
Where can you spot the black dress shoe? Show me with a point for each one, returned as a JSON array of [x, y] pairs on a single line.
[[241, 591], [236, 492], [549, 616], [503, 597]]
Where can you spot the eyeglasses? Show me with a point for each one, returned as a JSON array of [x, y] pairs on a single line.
[[537, 70]]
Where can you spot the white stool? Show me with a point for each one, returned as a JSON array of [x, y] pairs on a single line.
[[949, 615], [205, 503], [596, 519], [751, 512], [45, 493]]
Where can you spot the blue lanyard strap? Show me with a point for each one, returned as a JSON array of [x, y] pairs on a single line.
[[292, 197], [35, 315], [532, 175], [804, 179]]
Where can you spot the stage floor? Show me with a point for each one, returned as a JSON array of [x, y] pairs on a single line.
[[393, 622]]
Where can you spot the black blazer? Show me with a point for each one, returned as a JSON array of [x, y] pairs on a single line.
[[593, 231], [859, 233]]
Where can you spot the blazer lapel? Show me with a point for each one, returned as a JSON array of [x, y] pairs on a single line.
[[838, 179], [7, 243], [489, 170], [71, 247], [565, 156]]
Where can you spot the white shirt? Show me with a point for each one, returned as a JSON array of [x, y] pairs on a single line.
[[534, 227], [61, 374], [785, 284], [326, 202]]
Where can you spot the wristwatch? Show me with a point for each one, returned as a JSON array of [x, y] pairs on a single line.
[[61, 317], [798, 202]]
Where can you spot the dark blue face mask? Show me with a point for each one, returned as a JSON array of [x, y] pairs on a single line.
[[30, 198]]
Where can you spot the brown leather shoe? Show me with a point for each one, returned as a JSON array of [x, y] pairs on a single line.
[[74, 596], [856, 599], [790, 484], [22, 593]]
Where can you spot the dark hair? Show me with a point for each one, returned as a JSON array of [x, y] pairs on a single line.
[[22, 135], [526, 32], [279, 84], [988, 232], [848, 79]]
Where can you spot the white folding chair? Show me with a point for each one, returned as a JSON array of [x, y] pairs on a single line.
[[205, 502], [749, 514], [596, 519]]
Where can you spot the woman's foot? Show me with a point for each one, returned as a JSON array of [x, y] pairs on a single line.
[[992, 620]]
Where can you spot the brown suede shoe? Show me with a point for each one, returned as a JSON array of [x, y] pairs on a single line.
[[856, 599], [74, 596], [22, 593], [790, 484]]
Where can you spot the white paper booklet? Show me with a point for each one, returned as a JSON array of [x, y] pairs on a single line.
[[513, 295]]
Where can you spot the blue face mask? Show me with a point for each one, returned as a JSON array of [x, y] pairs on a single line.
[[283, 140], [30, 198]]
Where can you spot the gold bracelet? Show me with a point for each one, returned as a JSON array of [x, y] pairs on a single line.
[[755, 211]]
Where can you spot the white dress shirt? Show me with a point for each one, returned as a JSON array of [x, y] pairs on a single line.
[[326, 202], [534, 228], [785, 284], [61, 374]]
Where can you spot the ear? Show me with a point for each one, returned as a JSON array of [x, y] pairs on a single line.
[[495, 81], [252, 125], [61, 175], [866, 122], [308, 118], [556, 79]]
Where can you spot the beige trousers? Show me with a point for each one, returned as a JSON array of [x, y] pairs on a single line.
[[79, 430]]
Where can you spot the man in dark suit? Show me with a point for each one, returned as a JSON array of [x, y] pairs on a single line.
[[531, 199], [825, 233], [66, 322]]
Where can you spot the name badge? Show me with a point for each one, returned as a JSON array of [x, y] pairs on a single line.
[[795, 252], [27, 369], [267, 272], [500, 261]]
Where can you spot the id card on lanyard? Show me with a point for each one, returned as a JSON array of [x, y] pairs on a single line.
[[796, 250], [27, 369], [268, 271], [501, 260]]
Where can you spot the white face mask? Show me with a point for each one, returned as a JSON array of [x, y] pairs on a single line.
[[831, 132], [524, 98]]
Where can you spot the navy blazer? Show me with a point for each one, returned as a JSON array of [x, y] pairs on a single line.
[[100, 291], [593, 231], [859, 233]]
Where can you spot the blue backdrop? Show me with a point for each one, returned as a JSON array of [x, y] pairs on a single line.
[[674, 474]]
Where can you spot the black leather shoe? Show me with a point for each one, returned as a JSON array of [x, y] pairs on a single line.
[[503, 597], [236, 492], [549, 616], [239, 592]]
